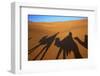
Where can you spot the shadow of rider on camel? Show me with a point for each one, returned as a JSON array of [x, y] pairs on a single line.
[[66, 46]]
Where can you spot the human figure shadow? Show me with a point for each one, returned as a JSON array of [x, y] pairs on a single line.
[[66, 46], [47, 41], [83, 43]]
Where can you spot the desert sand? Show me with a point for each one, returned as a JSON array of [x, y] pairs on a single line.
[[36, 30]]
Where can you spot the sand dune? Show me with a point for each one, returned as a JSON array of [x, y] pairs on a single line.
[[57, 26], [79, 28]]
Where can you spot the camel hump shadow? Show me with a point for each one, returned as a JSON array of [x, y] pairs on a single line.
[[67, 45], [43, 40], [47, 40]]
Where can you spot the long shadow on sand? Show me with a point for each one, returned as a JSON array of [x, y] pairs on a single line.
[[47, 41], [66, 46]]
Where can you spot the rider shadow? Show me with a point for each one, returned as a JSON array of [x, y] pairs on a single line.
[[83, 43], [47, 41], [66, 46]]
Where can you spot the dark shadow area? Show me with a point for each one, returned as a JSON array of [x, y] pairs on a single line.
[[83, 43], [42, 41], [29, 38], [47, 41], [66, 46]]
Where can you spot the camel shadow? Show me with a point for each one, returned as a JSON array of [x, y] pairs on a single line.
[[47, 42], [66, 46]]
